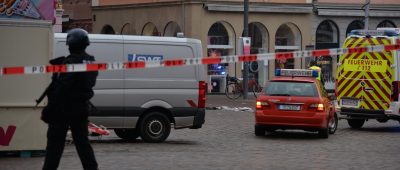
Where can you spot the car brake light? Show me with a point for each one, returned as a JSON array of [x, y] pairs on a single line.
[[260, 104], [320, 106]]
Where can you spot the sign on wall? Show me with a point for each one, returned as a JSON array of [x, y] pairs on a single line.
[[27, 9], [21, 129]]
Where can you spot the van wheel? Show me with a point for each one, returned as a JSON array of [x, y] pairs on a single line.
[[356, 123], [155, 127], [127, 134]]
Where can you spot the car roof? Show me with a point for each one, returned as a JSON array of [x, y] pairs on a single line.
[[295, 79]]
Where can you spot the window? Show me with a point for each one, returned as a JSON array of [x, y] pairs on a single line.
[[290, 88]]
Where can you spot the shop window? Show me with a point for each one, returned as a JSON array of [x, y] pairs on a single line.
[[217, 69], [288, 38], [355, 25], [387, 24]]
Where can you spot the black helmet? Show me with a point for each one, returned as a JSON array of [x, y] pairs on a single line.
[[77, 36]]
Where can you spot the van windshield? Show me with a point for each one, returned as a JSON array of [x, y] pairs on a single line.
[[286, 88]]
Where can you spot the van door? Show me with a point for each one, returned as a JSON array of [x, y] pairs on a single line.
[[365, 79], [173, 88], [108, 97], [378, 76]]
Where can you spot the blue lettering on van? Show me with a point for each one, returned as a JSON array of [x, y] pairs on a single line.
[[144, 57]]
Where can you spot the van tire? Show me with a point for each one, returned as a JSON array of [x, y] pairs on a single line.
[[127, 134], [356, 123], [155, 127]]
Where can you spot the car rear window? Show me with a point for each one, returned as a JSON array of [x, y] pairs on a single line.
[[282, 88]]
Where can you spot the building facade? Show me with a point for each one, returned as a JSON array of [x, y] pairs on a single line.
[[77, 14], [274, 26]]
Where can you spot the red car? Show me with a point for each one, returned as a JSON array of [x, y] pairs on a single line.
[[295, 99]]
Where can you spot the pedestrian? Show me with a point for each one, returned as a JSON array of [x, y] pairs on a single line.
[[313, 66], [68, 106]]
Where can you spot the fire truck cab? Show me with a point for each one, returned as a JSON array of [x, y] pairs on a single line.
[[367, 83]]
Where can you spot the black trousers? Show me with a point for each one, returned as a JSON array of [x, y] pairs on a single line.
[[56, 134]]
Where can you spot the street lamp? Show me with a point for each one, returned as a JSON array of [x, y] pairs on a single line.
[[366, 21]]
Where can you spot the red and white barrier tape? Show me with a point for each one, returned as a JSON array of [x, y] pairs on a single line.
[[43, 69]]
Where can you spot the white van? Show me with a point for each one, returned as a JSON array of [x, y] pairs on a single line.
[[145, 102]]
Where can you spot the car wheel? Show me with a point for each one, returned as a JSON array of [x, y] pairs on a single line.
[[127, 134], [356, 123], [333, 124], [259, 130], [324, 133], [155, 127]]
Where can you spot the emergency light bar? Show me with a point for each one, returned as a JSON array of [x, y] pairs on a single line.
[[379, 32], [296, 72]]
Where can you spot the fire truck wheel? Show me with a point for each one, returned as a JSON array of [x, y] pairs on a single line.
[[356, 123], [127, 134], [155, 127]]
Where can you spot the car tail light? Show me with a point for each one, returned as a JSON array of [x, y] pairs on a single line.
[[319, 106], [261, 104], [202, 94]]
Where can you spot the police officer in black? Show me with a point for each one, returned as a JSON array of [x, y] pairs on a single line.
[[68, 106]]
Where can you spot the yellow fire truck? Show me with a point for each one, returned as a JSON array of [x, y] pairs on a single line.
[[368, 82]]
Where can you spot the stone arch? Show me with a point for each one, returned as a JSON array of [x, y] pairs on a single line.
[[107, 29], [171, 29], [220, 42], [387, 24], [150, 29], [354, 25], [221, 33], [327, 36], [287, 38], [259, 44], [259, 38], [327, 32], [127, 29]]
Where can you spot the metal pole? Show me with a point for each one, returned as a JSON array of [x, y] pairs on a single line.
[[368, 2], [183, 17], [246, 64]]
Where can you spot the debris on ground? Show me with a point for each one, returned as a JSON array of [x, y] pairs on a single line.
[[237, 109]]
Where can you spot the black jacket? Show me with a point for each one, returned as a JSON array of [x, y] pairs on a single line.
[[72, 91]]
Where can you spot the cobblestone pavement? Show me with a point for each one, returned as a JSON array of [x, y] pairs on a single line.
[[227, 141]]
